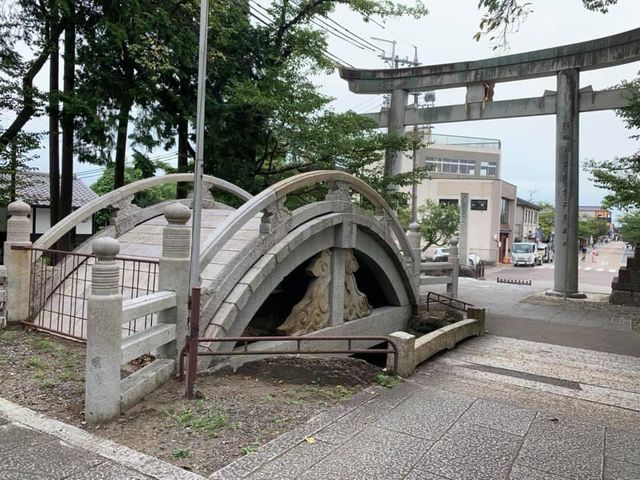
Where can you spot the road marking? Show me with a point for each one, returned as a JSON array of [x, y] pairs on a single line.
[[588, 268], [599, 269], [612, 270]]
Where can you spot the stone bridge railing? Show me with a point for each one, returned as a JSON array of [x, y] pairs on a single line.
[[130, 214]]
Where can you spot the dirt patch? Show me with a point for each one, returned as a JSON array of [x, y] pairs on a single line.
[[235, 414]]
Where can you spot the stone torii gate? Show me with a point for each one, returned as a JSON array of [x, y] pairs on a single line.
[[479, 77]]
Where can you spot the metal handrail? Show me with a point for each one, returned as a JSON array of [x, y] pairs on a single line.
[[246, 340], [449, 301]]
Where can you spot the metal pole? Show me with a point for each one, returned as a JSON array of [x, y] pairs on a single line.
[[194, 279], [414, 187]]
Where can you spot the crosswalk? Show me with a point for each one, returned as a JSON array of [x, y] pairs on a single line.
[[580, 267]]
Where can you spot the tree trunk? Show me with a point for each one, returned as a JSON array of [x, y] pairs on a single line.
[[183, 155], [13, 174], [54, 120], [66, 186], [121, 142]]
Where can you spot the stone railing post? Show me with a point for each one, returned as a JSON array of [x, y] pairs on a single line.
[[452, 288], [3, 296], [414, 238], [174, 274], [104, 335], [18, 262], [406, 361]]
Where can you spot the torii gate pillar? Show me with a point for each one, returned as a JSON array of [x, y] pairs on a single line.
[[565, 276]]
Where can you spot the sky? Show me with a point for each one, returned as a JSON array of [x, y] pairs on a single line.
[[446, 35], [528, 144]]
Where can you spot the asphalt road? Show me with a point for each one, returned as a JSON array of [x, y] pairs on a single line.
[[594, 274]]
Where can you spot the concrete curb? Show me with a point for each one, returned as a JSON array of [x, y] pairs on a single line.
[[76, 437]]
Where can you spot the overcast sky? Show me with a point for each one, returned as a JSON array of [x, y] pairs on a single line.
[[444, 36], [528, 144]]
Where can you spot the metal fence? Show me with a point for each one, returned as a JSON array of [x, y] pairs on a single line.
[[61, 284]]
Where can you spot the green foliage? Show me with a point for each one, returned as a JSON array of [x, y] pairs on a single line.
[[621, 175], [208, 422], [387, 381], [592, 227], [630, 227], [546, 218], [438, 222], [14, 162], [181, 453]]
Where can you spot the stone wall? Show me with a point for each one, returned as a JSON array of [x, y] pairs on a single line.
[[625, 288]]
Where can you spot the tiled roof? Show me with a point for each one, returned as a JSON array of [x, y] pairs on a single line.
[[33, 188]]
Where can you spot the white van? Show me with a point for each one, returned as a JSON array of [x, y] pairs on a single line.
[[525, 254]]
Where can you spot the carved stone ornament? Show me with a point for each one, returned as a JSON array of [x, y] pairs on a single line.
[[312, 312], [338, 190], [356, 304], [274, 215], [126, 209]]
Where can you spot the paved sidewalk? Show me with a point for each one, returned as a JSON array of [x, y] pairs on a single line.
[[493, 409], [34, 447]]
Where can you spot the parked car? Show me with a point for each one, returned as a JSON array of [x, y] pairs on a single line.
[[442, 255]]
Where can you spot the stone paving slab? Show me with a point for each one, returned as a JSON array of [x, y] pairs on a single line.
[[471, 452], [428, 414], [499, 416], [373, 454], [564, 447], [617, 470], [622, 445], [518, 472]]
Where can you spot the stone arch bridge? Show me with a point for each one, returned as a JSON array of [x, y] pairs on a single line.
[[353, 270]]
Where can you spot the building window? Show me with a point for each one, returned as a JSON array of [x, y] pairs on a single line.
[[450, 165], [504, 212], [488, 169], [479, 204]]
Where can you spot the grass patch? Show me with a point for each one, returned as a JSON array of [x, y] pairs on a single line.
[[43, 345], [47, 383], [251, 448], [209, 423], [7, 335], [387, 381], [181, 453], [64, 375], [36, 362]]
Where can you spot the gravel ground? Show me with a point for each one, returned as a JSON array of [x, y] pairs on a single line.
[[234, 414]]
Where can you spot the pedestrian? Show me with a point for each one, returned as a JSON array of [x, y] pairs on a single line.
[[584, 253], [594, 254]]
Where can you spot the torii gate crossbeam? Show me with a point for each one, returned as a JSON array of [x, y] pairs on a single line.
[[480, 77]]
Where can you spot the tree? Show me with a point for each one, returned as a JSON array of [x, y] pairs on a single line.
[[503, 17], [546, 217], [621, 176], [592, 228], [14, 161], [438, 222], [630, 227]]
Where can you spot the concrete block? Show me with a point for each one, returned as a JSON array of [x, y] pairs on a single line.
[[406, 354], [445, 338]]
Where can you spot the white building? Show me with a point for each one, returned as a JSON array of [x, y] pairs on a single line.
[[471, 165], [33, 188]]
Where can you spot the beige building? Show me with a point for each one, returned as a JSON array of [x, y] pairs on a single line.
[[526, 220], [471, 165]]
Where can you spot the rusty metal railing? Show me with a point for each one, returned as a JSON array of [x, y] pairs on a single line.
[[61, 283], [447, 301]]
